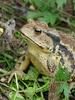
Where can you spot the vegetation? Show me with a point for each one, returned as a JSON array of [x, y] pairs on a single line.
[[53, 11], [33, 86]]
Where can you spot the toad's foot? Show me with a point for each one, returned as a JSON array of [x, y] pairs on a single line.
[[19, 73], [21, 65]]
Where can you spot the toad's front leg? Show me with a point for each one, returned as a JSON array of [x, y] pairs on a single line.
[[20, 66]]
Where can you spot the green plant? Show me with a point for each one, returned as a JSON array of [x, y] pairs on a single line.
[[52, 12], [62, 76], [7, 59], [30, 88], [64, 88], [46, 11]]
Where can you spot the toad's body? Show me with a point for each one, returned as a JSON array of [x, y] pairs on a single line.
[[46, 49]]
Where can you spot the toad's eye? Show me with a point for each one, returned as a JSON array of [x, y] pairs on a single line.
[[37, 31]]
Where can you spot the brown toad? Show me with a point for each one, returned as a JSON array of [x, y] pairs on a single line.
[[54, 45], [47, 48]]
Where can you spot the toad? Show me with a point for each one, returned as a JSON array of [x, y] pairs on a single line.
[[47, 48]]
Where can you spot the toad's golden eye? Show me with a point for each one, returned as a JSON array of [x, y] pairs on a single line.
[[1, 31], [37, 31]]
